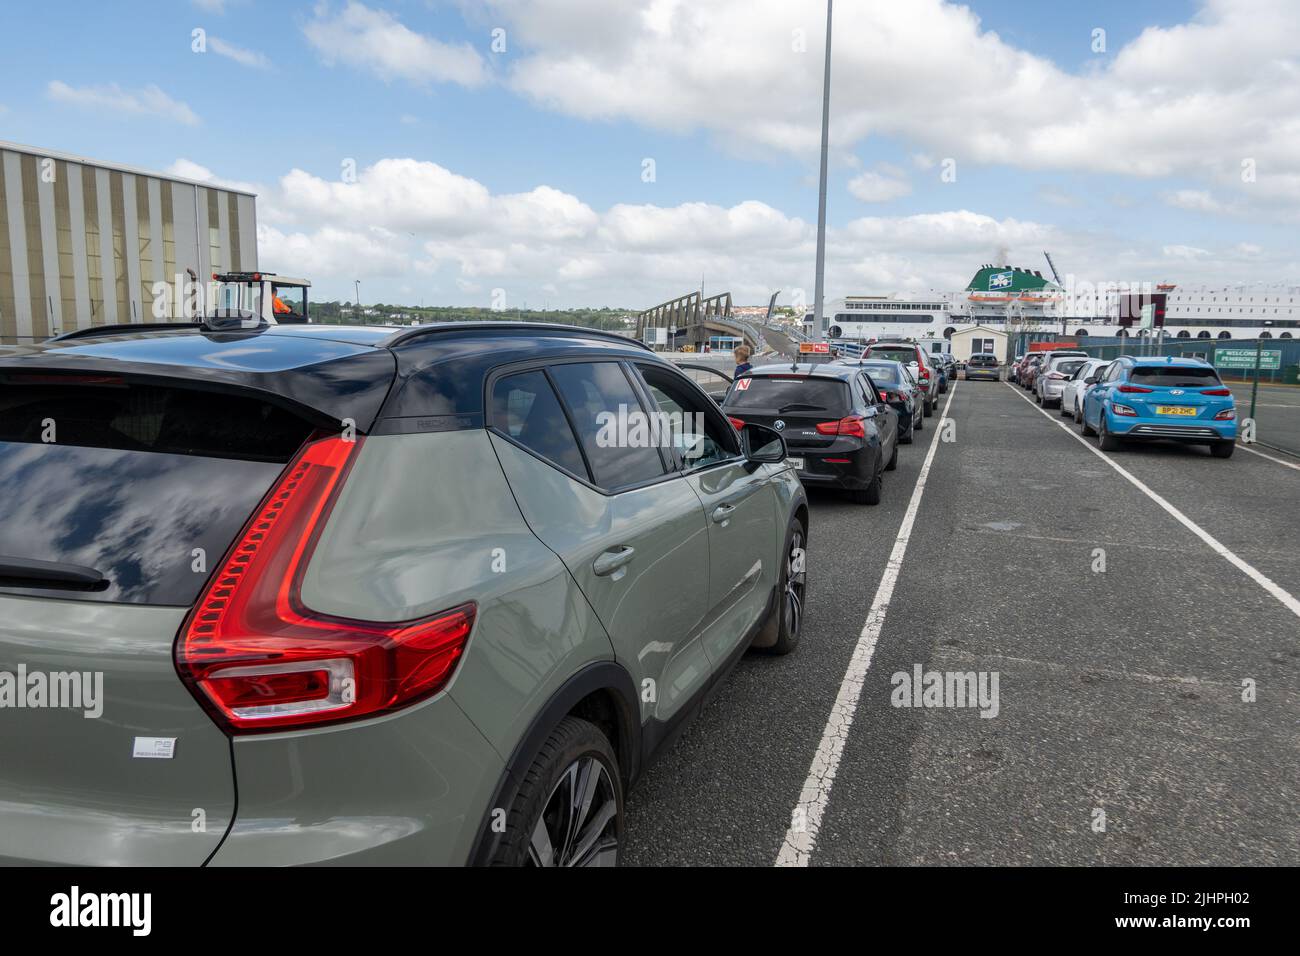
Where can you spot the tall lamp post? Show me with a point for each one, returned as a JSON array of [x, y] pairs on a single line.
[[821, 190]]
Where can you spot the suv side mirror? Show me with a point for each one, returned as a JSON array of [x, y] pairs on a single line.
[[1090, 380], [762, 445]]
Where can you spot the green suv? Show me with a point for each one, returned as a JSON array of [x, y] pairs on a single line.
[[308, 594]]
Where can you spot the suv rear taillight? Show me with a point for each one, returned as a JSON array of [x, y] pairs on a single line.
[[1133, 389], [1216, 391], [848, 427], [257, 659]]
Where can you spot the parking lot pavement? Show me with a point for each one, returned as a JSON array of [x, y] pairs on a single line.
[[1119, 691], [1277, 412]]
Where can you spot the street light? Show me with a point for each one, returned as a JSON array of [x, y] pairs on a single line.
[[356, 303], [821, 190]]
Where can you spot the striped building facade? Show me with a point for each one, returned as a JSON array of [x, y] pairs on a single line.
[[82, 243]]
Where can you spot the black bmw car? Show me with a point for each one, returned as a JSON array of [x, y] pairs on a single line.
[[839, 430]]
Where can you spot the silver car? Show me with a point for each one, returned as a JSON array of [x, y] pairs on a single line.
[[1050, 381]]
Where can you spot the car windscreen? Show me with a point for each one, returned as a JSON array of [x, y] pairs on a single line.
[[138, 490], [789, 393], [1171, 376]]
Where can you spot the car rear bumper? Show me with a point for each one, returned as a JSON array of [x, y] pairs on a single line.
[[853, 475], [988, 373], [408, 789], [1199, 430]]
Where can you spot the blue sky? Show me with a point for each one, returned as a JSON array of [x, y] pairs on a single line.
[[1052, 142]]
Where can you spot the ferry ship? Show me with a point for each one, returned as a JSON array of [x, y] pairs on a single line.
[[1023, 300]]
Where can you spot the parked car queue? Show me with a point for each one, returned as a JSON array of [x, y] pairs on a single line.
[[1131, 398]]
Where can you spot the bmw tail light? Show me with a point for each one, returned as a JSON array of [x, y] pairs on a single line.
[[848, 427], [258, 659], [736, 423]]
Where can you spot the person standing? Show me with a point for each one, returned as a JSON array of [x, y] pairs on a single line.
[[742, 354]]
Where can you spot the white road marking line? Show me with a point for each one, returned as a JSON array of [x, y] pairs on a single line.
[[1285, 464], [801, 837], [1284, 596]]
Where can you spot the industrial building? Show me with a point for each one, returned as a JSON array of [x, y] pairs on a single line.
[[83, 243]]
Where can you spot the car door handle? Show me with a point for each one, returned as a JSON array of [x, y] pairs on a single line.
[[611, 560], [722, 512]]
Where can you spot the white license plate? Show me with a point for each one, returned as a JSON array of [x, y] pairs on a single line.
[[795, 463]]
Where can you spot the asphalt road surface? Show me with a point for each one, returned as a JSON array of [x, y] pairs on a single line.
[[1120, 691], [1277, 413]]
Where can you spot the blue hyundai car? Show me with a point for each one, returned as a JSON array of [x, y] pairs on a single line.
[[1161, 397]]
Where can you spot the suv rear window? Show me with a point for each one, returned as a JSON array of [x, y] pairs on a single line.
[[983, 360], [781, 393], [1171, 376], [146, 485], [899, 353]]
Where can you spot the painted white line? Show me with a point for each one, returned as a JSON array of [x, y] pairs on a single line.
[[1284, 596], [1285, 464], [801, 837]]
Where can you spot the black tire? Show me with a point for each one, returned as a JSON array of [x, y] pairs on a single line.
[[1078, 413], [1223, 449], [573, 747], [907, 437], [792, 592], [929, 409], [893, 459], [1065, 412], [1038, 399], [869, 495], [1084, 428], [1105, 440], [919, 425]]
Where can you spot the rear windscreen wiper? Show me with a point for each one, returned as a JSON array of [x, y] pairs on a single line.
[[30, 573]]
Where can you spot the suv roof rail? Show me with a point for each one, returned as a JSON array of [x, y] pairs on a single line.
[[210, 324], [433, 328]]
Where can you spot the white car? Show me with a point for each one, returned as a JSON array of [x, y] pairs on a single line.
[[1072, 393]]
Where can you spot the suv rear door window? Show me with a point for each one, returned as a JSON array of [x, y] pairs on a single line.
[[525, 408], [604, 409]]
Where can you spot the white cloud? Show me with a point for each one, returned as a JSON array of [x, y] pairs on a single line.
[[1185, 252], [407, 222], [240, 55], [1196, 200], [374, 40], [930, 69], [405, 218], [147, 101], [883, 185]]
